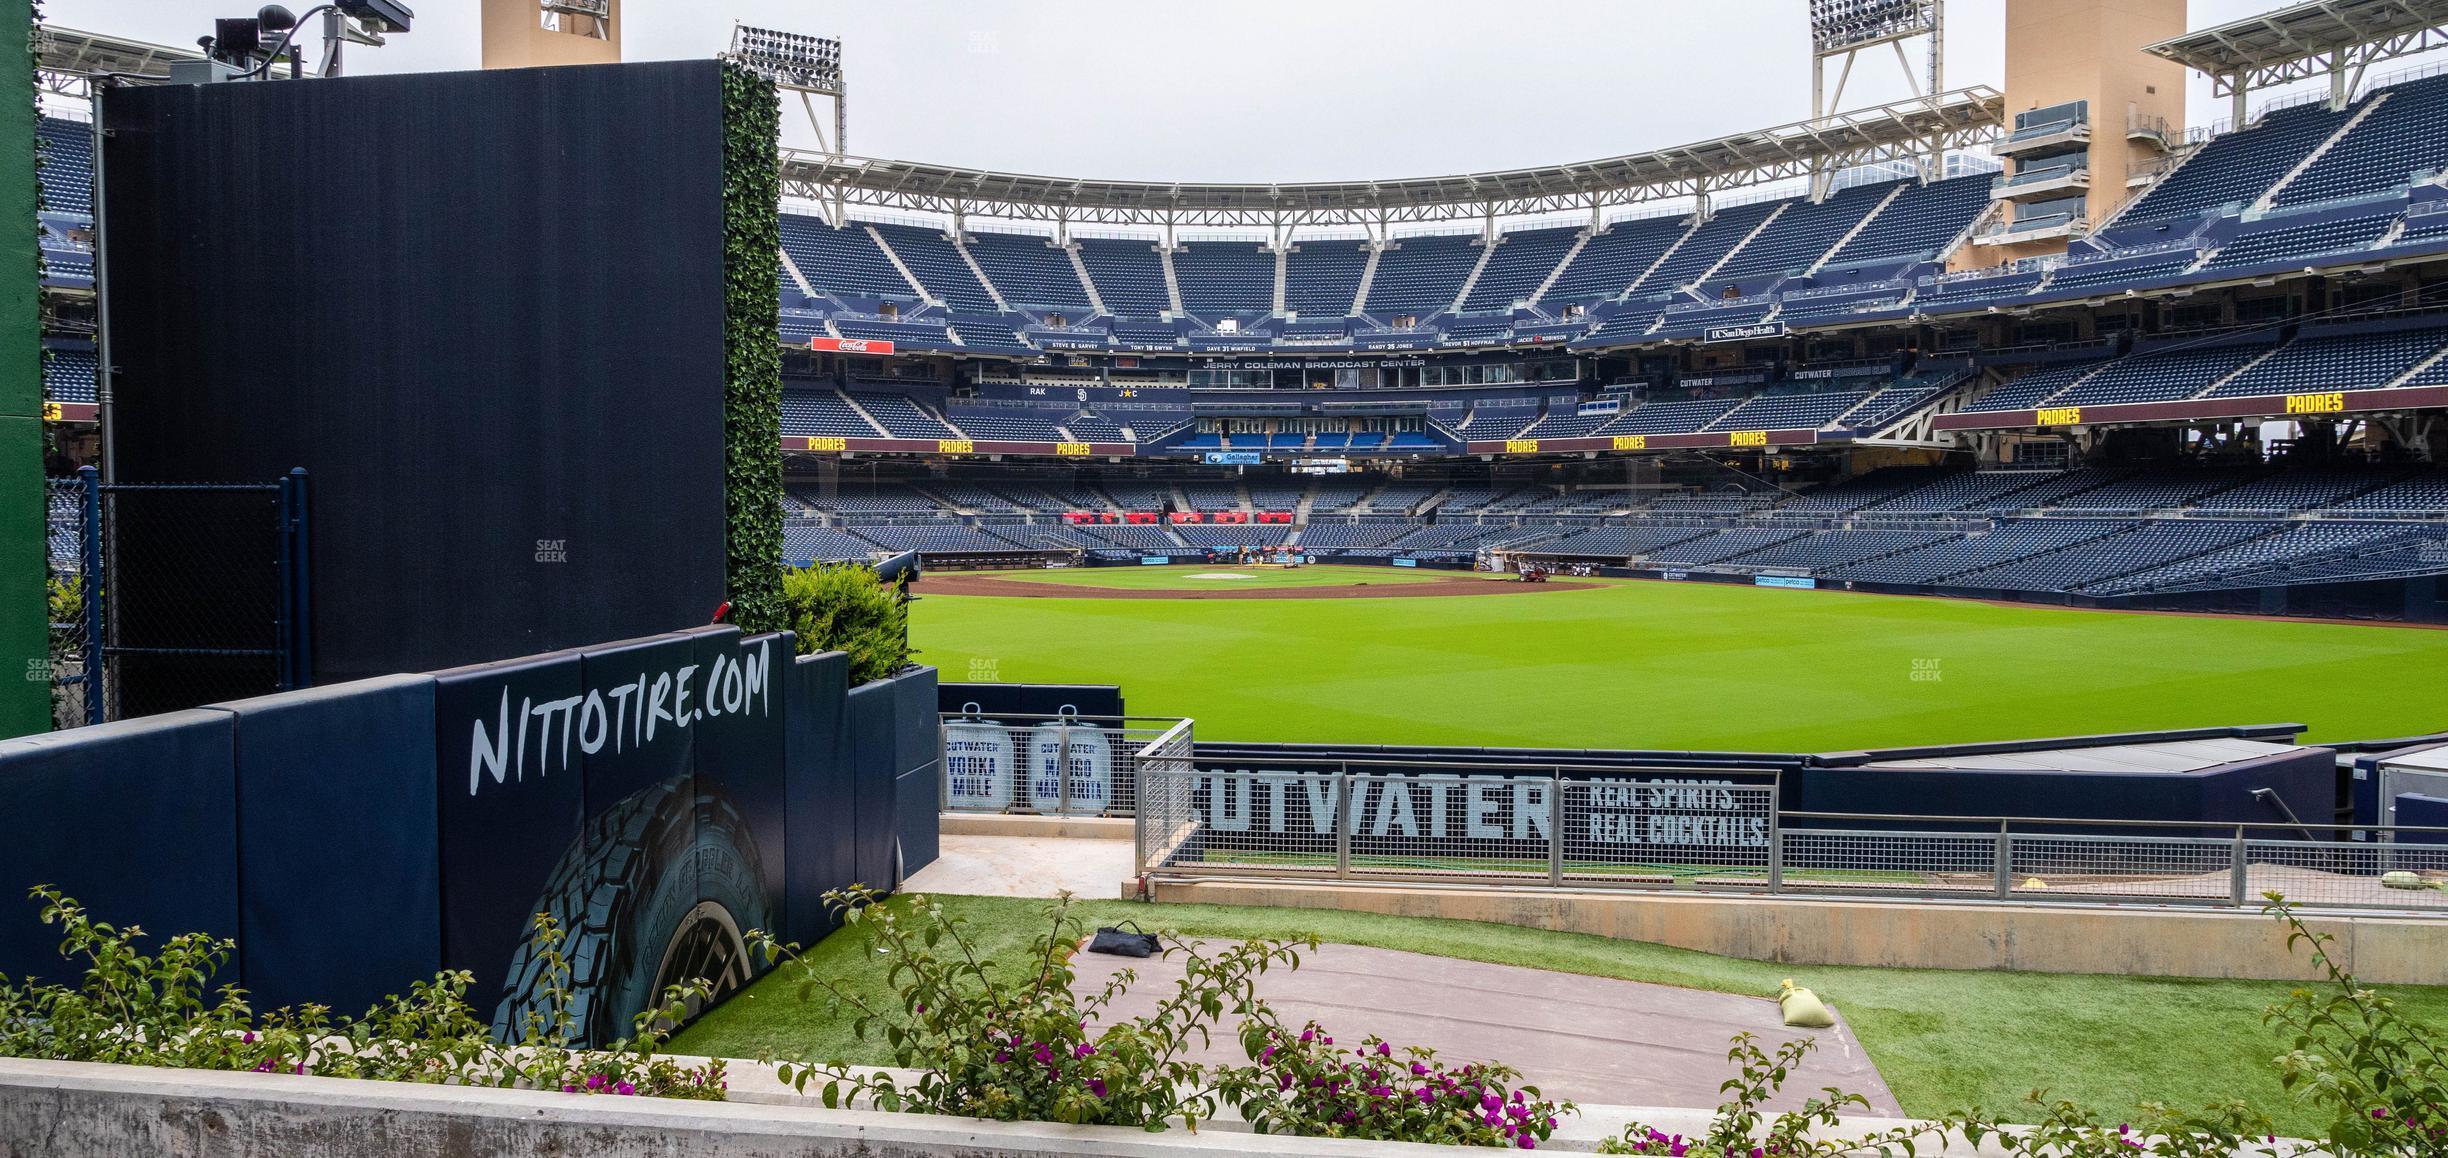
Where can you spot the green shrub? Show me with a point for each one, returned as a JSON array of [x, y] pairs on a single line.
[[133, 1008], [844, 607], [1013, 1042]]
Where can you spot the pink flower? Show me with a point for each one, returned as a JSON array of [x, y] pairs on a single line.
[[1384, 1050], [595, 1081], [1096, 1086], [624, 1089], [1418, 1070]]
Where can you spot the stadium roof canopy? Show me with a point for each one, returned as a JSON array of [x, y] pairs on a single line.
[[2337, 38], [1910, 129], [68, 53]]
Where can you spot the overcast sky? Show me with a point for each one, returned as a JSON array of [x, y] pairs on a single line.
[[1256, 90]]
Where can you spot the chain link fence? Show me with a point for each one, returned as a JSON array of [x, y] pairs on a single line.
[[165, 596]]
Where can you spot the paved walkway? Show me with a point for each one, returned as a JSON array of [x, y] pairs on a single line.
[[1025, 866], [1591, 1039]]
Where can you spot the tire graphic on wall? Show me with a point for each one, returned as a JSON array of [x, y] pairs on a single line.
[[647, 900]]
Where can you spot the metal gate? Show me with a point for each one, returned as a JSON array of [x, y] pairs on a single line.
[[183, 594]]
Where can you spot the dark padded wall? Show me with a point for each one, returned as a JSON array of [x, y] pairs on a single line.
[[822, 813], [509, 809], [340, 885], [918, 779], [483, 309], [137, 820]]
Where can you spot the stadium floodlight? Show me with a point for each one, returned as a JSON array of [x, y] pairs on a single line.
[[1838, 25], [808, 65], [790, 59]]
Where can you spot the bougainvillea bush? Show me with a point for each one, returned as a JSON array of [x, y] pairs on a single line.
[[1013, 1041], [1304, 1083]]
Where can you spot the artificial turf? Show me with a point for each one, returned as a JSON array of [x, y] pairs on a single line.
[[1944, 1040], [1681, 665]]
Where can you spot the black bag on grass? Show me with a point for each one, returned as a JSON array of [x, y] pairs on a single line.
[[1124, 940]]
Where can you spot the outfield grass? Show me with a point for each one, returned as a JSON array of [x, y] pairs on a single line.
[[1670, 665], [1944, 1040], [1203, 577]]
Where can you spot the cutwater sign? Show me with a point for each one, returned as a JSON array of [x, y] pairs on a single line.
[[1452, 812]]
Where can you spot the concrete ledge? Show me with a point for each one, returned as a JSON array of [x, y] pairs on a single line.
[[2070, 938], [83, 1110], [1017, 824]]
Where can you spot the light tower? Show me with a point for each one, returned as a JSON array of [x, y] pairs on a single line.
[[1848, 28], [808, 65]]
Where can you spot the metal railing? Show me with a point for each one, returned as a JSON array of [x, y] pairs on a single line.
[[1712, 830], [1059, 765]]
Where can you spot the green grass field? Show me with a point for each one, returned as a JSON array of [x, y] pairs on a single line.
[[1208, 577], [1667, 665], [1943, 1039]]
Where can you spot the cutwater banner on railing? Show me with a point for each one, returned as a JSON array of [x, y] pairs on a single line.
[[1432, 816]]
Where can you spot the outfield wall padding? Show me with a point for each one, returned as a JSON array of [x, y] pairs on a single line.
[[654, 796], [329, 782], [137, 820]]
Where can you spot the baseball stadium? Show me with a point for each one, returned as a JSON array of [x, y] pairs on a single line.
[[1938, 597]]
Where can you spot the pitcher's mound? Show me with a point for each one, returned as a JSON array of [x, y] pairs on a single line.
[[1595, 1040]]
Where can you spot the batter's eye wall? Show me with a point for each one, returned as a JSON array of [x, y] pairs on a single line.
[[485, 310]]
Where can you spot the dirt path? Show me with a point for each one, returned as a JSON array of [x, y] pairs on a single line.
[[957, 584]]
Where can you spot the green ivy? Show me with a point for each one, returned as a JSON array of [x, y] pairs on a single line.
[[752, 348]]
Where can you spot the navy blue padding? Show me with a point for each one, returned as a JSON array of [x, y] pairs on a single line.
[[820, 827], [508, 805], [339, 894], [636, 727], [871, 738], [918, 788], [1031, 699], [137, 819], [740, 752], [2415, 810]]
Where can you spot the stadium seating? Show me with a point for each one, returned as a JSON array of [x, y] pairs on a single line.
[[2286, 242], [1519, 265], [2407, 133], [2235, 168], [904, 418], [1321, 277], [1920, 221], [1804, 233], [2339, 362], [938, 266], [68, 373], [1030, 270], [1422, 275], [2178, 372], [823, 412], [1706, 246], [842, 261], [1128, 273], [66, 149], [1613, 259], [1229, 277]]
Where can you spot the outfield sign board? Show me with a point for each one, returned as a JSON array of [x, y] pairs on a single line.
[[1420, 813], [1802, 582], [1745, 333], [852, 345], [1230, 458]]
